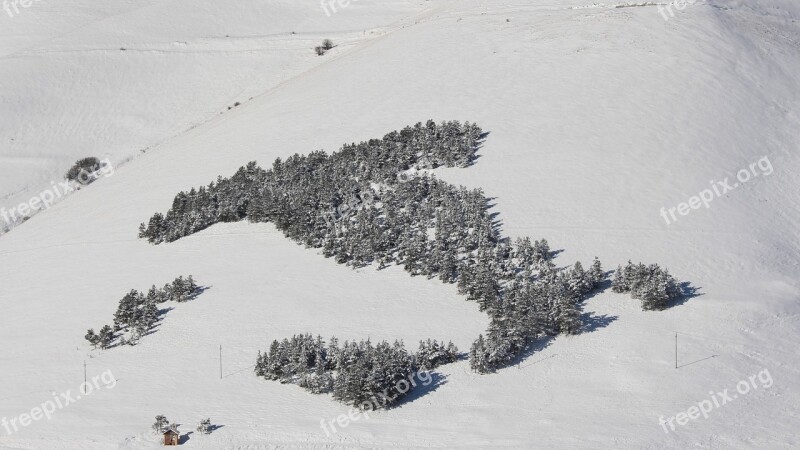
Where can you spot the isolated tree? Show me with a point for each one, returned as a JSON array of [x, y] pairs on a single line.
[[204, 427], [93, 338], [161, 424]]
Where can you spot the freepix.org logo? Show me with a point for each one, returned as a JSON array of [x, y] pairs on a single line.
[[329, 6], [718, 189], [56, 192], [12, 7], [49, 407]]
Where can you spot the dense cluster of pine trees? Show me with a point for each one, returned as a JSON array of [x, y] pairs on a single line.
[[300, 194], [367, 203], [654, 286], [138, 313], [526, 307], [356, 373]]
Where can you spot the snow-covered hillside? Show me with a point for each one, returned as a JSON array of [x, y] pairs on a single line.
[[118, 78], [598, 117]]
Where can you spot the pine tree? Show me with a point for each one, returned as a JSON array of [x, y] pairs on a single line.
[[261, 365], [579, 282], [124, 317], [568, 317], [451, 352], [105, 337], [619, 285], [478, 356], [161, 424], [596, 273], [541, 251], [204, 427], [93, 338], [153, 295]]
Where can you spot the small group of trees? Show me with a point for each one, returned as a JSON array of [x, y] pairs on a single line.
[[180, 290], [432, 354], [356, 373], [82, 167], [138, 313], [87, 170], [327, 44], [162, 425], [654, 286]]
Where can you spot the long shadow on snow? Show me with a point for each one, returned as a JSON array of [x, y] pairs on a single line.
[[421, 390]]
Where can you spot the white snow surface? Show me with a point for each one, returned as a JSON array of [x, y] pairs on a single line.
[[598, 115]]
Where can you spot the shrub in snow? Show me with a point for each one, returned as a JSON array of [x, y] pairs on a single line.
[[327, 44], [79, 171], [204, 427]]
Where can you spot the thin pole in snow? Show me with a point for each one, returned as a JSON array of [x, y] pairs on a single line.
[[676, 349], [84, 377]]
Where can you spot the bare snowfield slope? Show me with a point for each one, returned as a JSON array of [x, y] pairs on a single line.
[[598, 116]]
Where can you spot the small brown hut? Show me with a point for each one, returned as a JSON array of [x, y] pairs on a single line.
[[171, 437]]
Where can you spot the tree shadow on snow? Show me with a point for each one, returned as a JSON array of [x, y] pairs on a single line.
[[421, 390], [199, 291], [601, 288], [184, 438], [689, 292], [213, 428], [478, 145], [592, 322], [533, 347]]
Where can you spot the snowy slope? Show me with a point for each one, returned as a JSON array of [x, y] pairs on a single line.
[[115, 79], [598, 117]]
